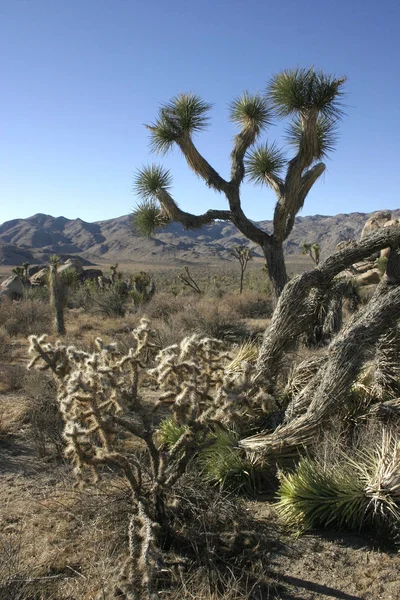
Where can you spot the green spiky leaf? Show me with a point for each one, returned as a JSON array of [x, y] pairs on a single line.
[[170, 432], [326, 135], [184, 114], [145, 218], [223, 464], [250, 111], [264, 162], [149, 181], [296, 90]]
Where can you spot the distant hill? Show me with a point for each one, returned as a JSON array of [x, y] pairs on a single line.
[[34, 239]]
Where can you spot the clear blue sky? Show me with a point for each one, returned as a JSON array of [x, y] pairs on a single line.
[[79, 79]]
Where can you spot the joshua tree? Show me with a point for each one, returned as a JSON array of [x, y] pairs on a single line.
[[56, 295], [313, 251], [19, 272], [26, 267], [310, 98], [243, 255], [114, 269]]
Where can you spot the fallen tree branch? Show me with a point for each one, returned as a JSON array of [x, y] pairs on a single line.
[[294, 312]]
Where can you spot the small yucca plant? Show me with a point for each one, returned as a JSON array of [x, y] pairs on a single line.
[[360, 491], [223, 464], [170, 432]]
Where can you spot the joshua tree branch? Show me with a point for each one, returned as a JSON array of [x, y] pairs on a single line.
[[243, 141], [347, 355], [188, 220], [200, 166], [245, 226], [293, 312]]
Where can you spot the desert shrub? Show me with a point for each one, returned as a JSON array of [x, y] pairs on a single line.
[[200, 315], [212, 319], [5, 347], [43, 415], [163, 305], [361, 491], [111, 300], [249, 305], [37, 293], [12, 377], [25, 317], [82, 295], [142, 289]]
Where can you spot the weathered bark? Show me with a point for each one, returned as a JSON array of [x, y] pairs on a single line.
[[273, 252], [346, 355], [294, 313]]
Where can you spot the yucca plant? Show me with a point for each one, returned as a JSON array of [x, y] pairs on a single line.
[[360, 492], [222, 463], [310, 98]]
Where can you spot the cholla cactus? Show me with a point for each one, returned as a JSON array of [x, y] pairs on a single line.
[[199, 386], [99, 397]]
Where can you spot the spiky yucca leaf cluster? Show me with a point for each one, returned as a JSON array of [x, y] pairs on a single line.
[[360, 491], [265, 163], [297, 90], [184, 114], [250, 111], [326, 133], [147, 217], [225, 465], [150, 180]]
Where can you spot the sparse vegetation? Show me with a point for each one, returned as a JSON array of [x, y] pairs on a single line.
[[176, 433]]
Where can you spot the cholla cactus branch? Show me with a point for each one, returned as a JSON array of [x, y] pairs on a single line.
[[99, 398]]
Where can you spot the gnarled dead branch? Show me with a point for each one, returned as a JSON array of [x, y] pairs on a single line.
[[347, 354]]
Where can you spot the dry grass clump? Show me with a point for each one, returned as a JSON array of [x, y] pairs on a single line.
[[214, 319], [249, 304], [25, 317], [5, 347], [11, 377], [45, 431], [164, 305]]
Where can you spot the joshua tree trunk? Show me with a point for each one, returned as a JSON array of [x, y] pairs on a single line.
[[273, 252], [56, 300]]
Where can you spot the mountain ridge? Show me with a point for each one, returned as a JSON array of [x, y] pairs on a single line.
[[35, 238]]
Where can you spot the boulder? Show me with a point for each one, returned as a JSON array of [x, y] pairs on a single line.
[[35, 269], [364, 266], [375, 222], [12, 288], [71, 263], [40, 278], [371, 276]]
